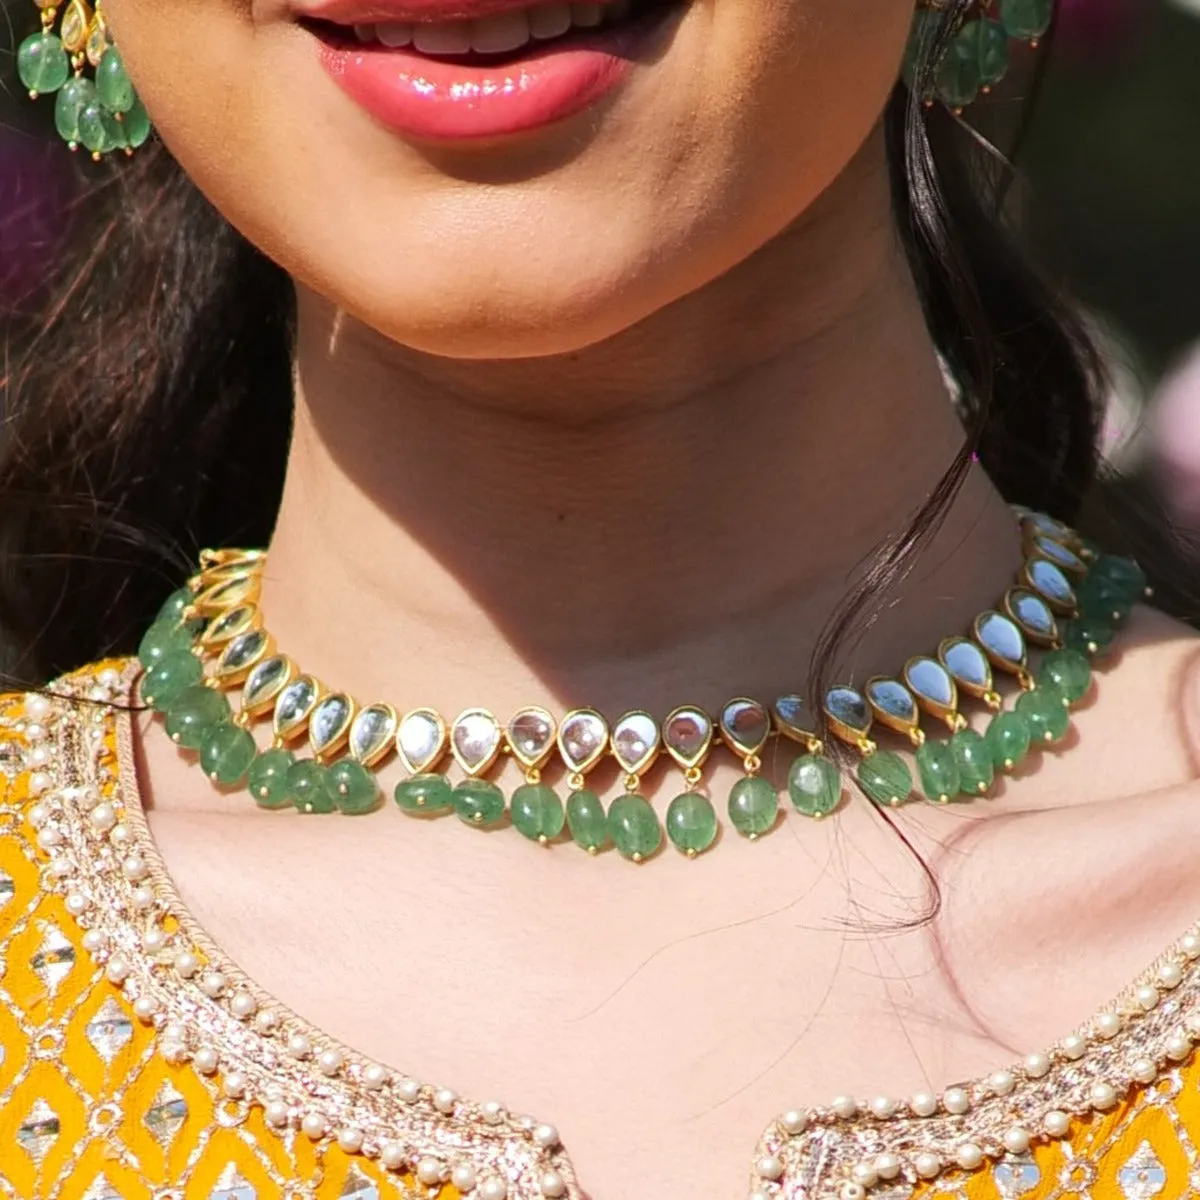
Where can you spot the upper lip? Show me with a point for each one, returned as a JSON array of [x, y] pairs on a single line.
[[380, 12]]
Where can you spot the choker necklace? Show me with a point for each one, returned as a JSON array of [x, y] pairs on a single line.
[[209, 639]]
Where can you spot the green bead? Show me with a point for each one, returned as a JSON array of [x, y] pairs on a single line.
[[1009, 738], [975, 59], [113, 85], [938, 769], [1089, 635], [424, 795], [171, 675], [815, 785], [353, 787], [193, 713], [1045, 712], [43, 63], [537, 812], [1101, 599], [99, 130], [227, 753], [1069, 671], [633, 827], [1026, 19], [976, 770], [161, 639], [587, 820], [72, 99], [478, 802], [1124, 573], [267, 780], [308, 786], [753, 806], [174, 605], [885, 778], [691, 823], [136, 125]]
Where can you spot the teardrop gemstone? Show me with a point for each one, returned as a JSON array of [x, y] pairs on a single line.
[[329, 723], [745, 726], [892, 703], [1058, 554], [475, 740], [582, 740], [848, 712], [1051, 582], [635, 742], [1002, 641], [295, 705], [230, 625], [531, 737], [75, 24], [241, 654], [97, 47], [1033, 615], [688, 735], [228, 593], [421, 740], [932, 685], [372, 733], [1040, 525], [793, 719], [267, 679], [967, 664]]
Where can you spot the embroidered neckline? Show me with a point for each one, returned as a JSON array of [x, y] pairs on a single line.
[[89, 822]]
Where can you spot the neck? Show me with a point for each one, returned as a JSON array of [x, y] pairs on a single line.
[[670, 514]]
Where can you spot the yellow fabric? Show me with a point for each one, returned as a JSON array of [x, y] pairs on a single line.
[[76, 1124]]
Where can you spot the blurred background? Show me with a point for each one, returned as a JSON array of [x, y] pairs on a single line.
[[1109, 149]]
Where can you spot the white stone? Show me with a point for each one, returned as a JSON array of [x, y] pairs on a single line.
[[794, 1121], [956, 1101], [1108, 1025], [635, 742], [531, 736], [1036, 1065], [463, 1177], [475, 740], [444, 1100], [242, 1005], [846, 1107], [494, 1188], [234, 1085], [350, 1139], [1074, 1046], [927, 1165], [770, 1166], [1056, 1123], [393, 1156], [968, 1156], [205, 1060], [1016, 1139], [582, 739], [429, 1171], [1103, 1095], [924, 1104], [421, 740], [1001, 1082], [330, 1062], [888, 1166], [553, 1185], [313, 1125], [374, 1077]]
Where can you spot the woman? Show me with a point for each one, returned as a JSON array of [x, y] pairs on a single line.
[[617, 373]]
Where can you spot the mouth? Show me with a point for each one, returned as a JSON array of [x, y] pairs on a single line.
[[454, 69]]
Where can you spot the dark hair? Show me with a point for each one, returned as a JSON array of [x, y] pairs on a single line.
[[147, 396]]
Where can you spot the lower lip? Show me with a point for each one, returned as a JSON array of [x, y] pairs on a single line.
[[424, 98]]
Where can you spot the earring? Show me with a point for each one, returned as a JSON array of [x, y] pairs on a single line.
[[102, 114], [977, 56]]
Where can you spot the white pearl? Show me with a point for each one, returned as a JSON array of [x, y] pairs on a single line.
[[546, 1136], [186, 964], [120, 835], [1016, 1139], [142, 898], [49, 837], [924, 1104], [37, 707], [1179, 1046], [463, 1177], [1108, 1025], [234, 1085], [109, 677], [174, 1052], [1001, 1082], [956, 1101], [39, 814], [154, 940], [144, 1009], [205, 1060], [330, 1062], [1147, 996], [350, 1139], [39, 755], [103, 817], [266, 1021], [93, 941], [553, 1184], [242, 1005], [175, 1032], [968, 1156], [393, 1156], [212, 984], [77, 903], [313, 1125], [134, 868], [1103, 1095], [374, 1077], [883, 1107], [1056, 1123], [276, 1113], [1075, 1046], [1170, 975], [794, 1121], [846, 1107], [39, 782], [852, 1191], [1190, 945], [927, 1165], [493, 1189], [444, 1100], [770, 1166], [117, 969], [60, 868], [429, 1170], [865, 1173], [1036, 1065], [409, 1090], [493, 1112], [299, 1046], [888, 1166]]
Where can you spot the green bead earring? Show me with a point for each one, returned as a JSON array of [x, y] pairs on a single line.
[[103, 114], [977, 56]]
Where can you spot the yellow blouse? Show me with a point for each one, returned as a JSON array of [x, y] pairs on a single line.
[[138, 1063]]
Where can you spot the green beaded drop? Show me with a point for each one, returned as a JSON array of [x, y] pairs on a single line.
[[113, 85], [633, 827], [161, 639], [308, 787], [72, 99], [587, 820], [99, 130], [537, 812], [193, 713], [1089, 635], [885, 778], [1069, 671], [352, 787], [691, 823], [975, 59], [227, 753], [976, 768], [1045, 712], [43, 64], [176, 603], [1009, 738], [266, 779], [815, 785], [425, 795], [938, 769], [753, 806], [170, 676], [478, 802], [1026, 19]]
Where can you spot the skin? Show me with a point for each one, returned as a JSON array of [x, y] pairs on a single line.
[[612, 414]]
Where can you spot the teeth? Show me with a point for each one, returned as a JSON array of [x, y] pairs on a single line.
[[497, 34]]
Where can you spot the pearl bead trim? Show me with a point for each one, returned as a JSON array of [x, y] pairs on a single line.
[[207, 1015]]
